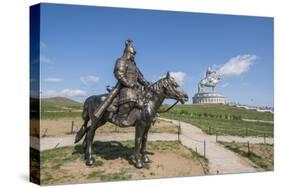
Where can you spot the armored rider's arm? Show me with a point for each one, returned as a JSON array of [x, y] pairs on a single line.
[[120, 71], [141, 78]]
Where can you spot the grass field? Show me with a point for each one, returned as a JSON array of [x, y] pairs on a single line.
[[221, 111], [211, 118], [223, 119], [260, 154], [114, 162]]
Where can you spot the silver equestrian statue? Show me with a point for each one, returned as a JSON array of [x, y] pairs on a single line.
[[211, 79]]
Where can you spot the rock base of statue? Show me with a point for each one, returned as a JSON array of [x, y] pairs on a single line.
[[208, 98]]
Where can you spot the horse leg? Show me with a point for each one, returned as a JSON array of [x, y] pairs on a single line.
[[89, 138], [145, 157], [138, 144], [90, 160]]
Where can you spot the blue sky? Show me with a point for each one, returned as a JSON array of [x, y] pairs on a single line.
[[80, 44]]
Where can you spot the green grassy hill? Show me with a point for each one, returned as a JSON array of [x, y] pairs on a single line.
[[59, 104], [59, 107]]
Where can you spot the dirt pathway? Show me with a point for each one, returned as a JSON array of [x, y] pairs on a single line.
[[224, 138], [221, 160]]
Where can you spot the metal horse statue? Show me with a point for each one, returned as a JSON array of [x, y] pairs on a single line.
[[211, 80], [154, 96]]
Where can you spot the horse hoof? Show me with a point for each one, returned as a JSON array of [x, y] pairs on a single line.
[[139, 165], [90, 162], [146, 159]]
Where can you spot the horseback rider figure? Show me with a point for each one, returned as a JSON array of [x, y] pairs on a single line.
[[131, 102], [125, 97], [132, 83], [211, 79]]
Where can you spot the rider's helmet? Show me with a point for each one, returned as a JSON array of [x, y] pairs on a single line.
[[129, 49], [208, 72]]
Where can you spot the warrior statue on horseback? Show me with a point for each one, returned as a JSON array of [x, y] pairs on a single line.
[[211, 79], [132, 102]]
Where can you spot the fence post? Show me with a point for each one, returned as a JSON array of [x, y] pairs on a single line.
[[204, 148], [248, 148], [72, 127], [45, 133], [216, 137], [264, 138], [179, 131]]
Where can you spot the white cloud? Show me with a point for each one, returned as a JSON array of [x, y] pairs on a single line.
[[64, 93], [73, 92], [54, 80], [237, 65], [49, 93], [89, 80], [180, 77]]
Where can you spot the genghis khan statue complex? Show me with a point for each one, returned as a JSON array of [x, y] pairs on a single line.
[[203, 97]]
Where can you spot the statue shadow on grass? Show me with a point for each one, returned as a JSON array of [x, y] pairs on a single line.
[[110, 150]]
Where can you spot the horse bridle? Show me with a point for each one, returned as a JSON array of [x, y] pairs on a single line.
[[168, 109]]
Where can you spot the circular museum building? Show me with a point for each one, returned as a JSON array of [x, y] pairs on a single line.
[[208, 98]]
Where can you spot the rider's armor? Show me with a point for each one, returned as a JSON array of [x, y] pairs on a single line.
[[127, 73], [131, 80]]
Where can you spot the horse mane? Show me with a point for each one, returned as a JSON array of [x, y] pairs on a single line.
[[156, 86]]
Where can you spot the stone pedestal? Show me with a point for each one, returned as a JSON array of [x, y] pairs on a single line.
[[208, 98]]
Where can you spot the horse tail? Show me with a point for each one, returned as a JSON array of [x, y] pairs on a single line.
[[85, 116]]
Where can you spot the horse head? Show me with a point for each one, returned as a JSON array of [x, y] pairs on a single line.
[[172, 89]]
